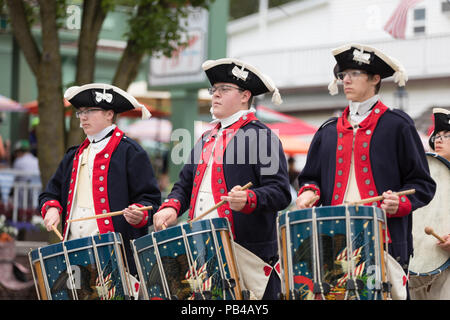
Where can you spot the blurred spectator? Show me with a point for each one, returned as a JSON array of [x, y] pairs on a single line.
[[24, 160], [32, 136]]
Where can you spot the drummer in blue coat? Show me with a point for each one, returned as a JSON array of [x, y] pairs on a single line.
[[240, 149], [107, 172], [370, 149], [440, 143]]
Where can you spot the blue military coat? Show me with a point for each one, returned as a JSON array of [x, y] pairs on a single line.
[[388, 155], [122, 175]]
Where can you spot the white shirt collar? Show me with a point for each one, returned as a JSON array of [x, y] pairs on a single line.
[[226, 122], [101, 134], [360, 110]]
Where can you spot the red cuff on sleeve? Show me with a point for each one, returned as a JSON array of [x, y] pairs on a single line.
[[144, 220], [252, 201], [171, 203], [404, 208], [47, 205], [310, 187]]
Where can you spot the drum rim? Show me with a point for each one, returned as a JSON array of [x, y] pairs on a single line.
[[438, 270], [59, 246], [438, 157], [138, 242], [368, 215]]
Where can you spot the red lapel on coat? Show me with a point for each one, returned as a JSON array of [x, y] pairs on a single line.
[[218, 184]]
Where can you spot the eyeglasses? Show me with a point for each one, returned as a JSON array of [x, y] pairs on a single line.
[[437, 137], [224, 88], [352, 74], [87, 112]]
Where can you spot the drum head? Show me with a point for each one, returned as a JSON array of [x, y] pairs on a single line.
[[428, 257]]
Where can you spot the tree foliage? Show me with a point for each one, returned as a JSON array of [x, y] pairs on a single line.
[[153, 28]]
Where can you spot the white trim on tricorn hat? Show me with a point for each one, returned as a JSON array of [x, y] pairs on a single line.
[[103, 96], [363, 57], [239, 75]]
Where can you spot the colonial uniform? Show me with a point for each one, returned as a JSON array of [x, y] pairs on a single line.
[[107, 172], [435, 286], [240, 149], [368, 150]]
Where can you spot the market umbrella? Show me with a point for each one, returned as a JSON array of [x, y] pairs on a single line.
[[7, 104]]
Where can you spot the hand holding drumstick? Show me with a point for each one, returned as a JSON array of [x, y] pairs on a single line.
[[444, 241]]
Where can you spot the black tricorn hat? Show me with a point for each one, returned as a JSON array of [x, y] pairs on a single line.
[[441, 123], [103, 96], [242, 74], [367, 58]]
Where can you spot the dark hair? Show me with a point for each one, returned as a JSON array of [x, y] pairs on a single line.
[[378, 85]]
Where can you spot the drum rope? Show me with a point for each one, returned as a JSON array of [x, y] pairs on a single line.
[[350, 266], [120, 248], [196, 287], [316, 255], [44, 273], [220, 261], [164, 283], [376, 233], [69, 271], [142, 284], [386, 242], [99, 268], [289, 255]]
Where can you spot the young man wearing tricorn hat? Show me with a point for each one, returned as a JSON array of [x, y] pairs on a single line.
[[433, 254], [370, 149], [240, 149], [107, 172]]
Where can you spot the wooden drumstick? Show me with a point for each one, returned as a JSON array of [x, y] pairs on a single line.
[[430, 231], [57, 233], [248, 185], [379, 198], [109, 214]]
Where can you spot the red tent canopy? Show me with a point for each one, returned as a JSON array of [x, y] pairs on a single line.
[[289, 129], [285, 124]]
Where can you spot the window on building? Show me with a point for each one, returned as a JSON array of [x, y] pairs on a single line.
[[419, 21]]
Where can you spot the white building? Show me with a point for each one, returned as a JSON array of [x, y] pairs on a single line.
[[293, 43]]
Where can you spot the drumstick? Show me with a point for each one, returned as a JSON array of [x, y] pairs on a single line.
[[430, 231], [109, 214], [378, 198], [57, 233], [248, 185]]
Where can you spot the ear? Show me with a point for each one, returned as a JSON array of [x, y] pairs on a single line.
[[110, 115], [376, 78], [246, 95]]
